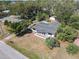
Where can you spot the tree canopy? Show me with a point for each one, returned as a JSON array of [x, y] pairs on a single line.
[[72, 49], [63, 9], [74, 21], [66, 33], [51, 42]]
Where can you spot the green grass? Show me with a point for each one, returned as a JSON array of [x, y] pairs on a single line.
[[1, 37], [24, 51]]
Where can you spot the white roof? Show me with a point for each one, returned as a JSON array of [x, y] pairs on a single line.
[[52, 18], [11, 18], [6, 11]]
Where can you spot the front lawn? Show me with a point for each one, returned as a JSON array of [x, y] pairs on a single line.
[[35, 48], [24, 51]]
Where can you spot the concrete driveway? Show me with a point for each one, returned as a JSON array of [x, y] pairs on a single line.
[[6, 52]]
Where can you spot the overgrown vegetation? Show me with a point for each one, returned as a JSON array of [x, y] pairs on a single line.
[[41, 10], [50, 42], [29, 12], [66, 33], [72, 49], [17, 27], [24, 51], [64, 9], [74, 21]]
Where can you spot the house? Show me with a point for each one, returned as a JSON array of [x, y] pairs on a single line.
[[11, 18], [44, 29], [4, 13]]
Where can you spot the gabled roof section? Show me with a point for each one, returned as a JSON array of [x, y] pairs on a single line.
[[43, 27]]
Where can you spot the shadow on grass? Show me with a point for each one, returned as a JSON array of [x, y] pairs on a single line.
[[24, 32]]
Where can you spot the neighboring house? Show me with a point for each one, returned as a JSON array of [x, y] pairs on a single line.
[[44, 29], [6, 11], [11, 18]]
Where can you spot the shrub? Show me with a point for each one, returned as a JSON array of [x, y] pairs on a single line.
[[72, 49], [60, 36], [52, 43], [67, 34], [17, 27], [75, 25], [6, 22], [60, 28], [74, 21]]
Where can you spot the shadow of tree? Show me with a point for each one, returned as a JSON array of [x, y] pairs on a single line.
[[26, 31]]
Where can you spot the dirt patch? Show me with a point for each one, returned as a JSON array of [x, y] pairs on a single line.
[[37, 45]]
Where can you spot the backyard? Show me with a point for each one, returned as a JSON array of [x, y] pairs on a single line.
[[35, 48]]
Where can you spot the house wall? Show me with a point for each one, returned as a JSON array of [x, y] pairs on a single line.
[[44, 36]]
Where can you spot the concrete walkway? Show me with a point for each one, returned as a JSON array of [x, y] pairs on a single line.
[[7, 52]]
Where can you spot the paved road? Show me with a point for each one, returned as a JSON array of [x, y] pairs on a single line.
[[6, 52]]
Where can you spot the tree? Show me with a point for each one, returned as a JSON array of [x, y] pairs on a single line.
[[17, 8], [72, 49], [30, 12], [67, 34], [60, 28], [52, 43], [46, 5], [74, 18], [3, 6], [29, 9], [18, 26], [63, 9], [6, 22], [61, 36], [42, 16], [74, 21]]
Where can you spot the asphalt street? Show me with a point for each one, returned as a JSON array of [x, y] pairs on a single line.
[[7, 52]]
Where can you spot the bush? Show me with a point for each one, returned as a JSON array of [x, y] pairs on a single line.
[[74, 18], [75, 25], [66, 33], [60, 36], [6, 22], [52, 43], [74, 21], [72, 49], [17, 27], [60, 28], [42, 16]]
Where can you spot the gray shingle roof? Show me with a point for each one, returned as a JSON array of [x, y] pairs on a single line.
[[46, 27]]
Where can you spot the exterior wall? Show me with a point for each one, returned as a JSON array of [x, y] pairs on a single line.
[[44, 36]]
